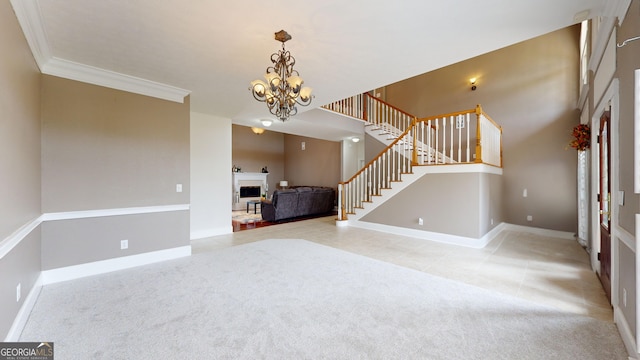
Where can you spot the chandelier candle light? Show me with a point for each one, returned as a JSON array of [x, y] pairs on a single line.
[[283, 88]]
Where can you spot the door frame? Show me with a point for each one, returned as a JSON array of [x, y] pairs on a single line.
[[604, 198], [609, 101]]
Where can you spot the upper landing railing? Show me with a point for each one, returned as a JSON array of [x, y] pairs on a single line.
[[463, 137]]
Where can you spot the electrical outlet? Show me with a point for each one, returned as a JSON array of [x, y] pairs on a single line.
[[524, 193], [124, 244], [303, 145], [491, 221], [420, 221], [178, 187], [529, 218], [18, 292]]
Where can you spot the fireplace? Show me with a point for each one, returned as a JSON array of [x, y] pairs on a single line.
[[248, 186], [249, 191]]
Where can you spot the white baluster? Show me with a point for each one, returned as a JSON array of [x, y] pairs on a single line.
[[444, 138], [451, 126], [468, 140], [421, 132], [461, 119]]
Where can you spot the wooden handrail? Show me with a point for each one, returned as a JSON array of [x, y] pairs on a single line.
[[381, 153], [463, 112], [387, 104]]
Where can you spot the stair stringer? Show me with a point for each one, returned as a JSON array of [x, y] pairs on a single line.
[[386, 194]]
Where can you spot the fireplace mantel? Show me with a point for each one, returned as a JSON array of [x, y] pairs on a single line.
[[239, 177]]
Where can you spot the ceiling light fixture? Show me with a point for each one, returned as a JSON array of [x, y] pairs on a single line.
[[257, 131], [266, 122], [355, 139], [283, 89]]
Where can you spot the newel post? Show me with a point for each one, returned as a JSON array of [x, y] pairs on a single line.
[[478, 134], [341, 212], [365, 106]]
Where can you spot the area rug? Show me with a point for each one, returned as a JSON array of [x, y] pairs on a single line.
[[243, 217], [293, 299]]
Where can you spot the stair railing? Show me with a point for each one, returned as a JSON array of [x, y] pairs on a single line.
[[378, 174], [437, 140], [456, 138], [374, 111]]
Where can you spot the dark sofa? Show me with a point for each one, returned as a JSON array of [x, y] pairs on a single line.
[[296, 202]]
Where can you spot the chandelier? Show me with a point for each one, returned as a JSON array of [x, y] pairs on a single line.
[[283, 89]]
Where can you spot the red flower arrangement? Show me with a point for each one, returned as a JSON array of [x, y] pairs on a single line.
[[582, 137]]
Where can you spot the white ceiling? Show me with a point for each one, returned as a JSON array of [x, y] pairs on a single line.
[[213, 49]]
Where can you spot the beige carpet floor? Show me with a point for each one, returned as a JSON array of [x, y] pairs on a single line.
[[294, 299]]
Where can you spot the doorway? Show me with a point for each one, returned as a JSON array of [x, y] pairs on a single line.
[[604, 200]]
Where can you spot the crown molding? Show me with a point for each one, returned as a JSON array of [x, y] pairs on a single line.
[[93, 75], [30, 19]]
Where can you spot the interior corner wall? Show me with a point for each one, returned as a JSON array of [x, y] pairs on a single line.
[[352, 158], [19, 169], [211, 184], [251, 153], [105, 151], [317, 164], [531, 90]]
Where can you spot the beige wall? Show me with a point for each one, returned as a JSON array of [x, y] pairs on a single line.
[[19, 166], [531, 89], [628, 60], [317, 165], [19, 127], [252, 152], [105, 149]]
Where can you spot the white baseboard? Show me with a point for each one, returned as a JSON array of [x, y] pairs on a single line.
[[201, 234], [477, 243], [626, 334], [105, 266], [25, 310]]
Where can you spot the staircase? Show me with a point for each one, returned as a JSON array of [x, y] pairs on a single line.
[[414, 147]]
